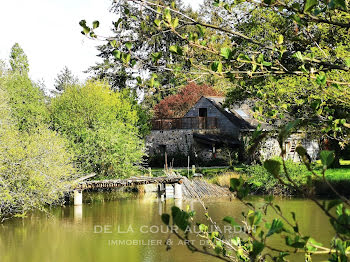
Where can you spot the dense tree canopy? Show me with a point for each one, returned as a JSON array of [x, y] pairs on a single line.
[[27, 101], [101, 126]]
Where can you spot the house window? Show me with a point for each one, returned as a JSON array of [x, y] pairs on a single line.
[[203, 112]]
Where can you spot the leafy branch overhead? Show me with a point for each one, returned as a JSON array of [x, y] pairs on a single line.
[[268, 57]]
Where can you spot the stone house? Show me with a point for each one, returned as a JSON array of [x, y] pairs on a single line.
[[210, 131]]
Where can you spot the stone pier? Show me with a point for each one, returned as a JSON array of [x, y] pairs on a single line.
[[78, 197], [177, 191]]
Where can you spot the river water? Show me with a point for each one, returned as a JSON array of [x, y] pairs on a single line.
[[129, 229]]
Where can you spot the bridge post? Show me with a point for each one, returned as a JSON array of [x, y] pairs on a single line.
[[169, 191], [178, 191], [161, 191], [78, 197]]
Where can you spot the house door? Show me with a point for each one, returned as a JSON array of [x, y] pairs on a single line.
[[203, 113]]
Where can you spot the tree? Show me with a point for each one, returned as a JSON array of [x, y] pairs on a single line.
[[36, 169], [140, 38], [64, 79], [3, 68], [26, 100], [177, 105], [18, 60], [101, 127]]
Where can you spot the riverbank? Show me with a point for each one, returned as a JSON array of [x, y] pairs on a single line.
[[261, 182]]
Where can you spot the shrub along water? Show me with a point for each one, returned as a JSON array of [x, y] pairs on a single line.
[[35, 168], [261, 181]]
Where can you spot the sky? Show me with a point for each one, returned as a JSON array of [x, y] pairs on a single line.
[[49, 33]]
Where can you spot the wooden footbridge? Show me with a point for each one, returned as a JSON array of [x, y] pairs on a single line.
[[133, 181], [167, 187]]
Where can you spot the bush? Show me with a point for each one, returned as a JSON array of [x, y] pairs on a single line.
[[261, 181], [35, 168]]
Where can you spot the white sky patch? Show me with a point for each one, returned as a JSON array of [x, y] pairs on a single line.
[[49, 33]]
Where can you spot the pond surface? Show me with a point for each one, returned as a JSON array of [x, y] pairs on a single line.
[[128, 229]]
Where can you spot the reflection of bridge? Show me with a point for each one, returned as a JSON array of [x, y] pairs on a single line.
[[170, 186]]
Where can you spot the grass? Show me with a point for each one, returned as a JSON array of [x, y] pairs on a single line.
[[338, 177], [338, 174], [223, 180]]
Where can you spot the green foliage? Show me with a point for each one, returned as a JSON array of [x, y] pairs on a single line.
[[134, 42], [143, 114], [65, 79], [35, 168], [261, 180], [327, 158], [180, 218], [273, 167], [295, 66], [26, 100], [101, 127], [18, 60], [238, 185]]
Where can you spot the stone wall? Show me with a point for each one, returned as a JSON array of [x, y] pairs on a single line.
[[271, 148], [180, 141], [177, 140]]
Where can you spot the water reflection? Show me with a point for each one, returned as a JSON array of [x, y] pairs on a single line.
[[71, 234], [78, 213], [160, 207]]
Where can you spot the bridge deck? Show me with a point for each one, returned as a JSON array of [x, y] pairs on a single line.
[[132, 181]]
